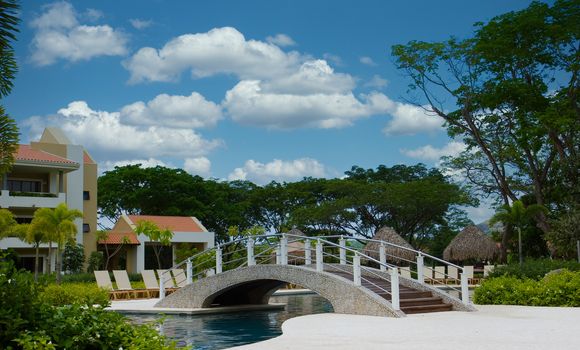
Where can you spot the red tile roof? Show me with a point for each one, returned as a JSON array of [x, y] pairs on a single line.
[[120, 237], [173, 223], [26, 153]]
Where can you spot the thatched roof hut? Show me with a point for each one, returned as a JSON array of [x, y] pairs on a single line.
[[396, 254], [471, 243], [295, 232]]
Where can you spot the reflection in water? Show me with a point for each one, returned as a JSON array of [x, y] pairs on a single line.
[[212, 332]]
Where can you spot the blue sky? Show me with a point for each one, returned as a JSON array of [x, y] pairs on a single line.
[[256, 90]]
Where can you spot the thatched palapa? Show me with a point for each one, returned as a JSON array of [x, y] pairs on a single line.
[[471, 243], [395, 254]]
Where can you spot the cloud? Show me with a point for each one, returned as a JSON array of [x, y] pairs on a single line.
[[281, 40], [278, 170], [377, 82], [335, 59], [94, 14], [140, 23], [367, 61], [197, 166], [192, 111], [219, 51], [107, 136], [59, 35], [409, 120], [248, 104], [431, 153]]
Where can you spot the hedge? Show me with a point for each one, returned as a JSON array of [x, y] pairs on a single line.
[[534, 268], [557, 289], [75, 293]]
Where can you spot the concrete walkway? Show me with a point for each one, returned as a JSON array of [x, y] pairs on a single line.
[[492, 327]]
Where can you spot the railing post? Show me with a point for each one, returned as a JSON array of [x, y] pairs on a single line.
[[162, 286], [342, 244], [218, 260], [420, 276], [395, 288], [278, 254], [464, 288], [356, 269], [319, 257], [307, 253], [383, 257], [250, 250], [189, 272], [284, 250]]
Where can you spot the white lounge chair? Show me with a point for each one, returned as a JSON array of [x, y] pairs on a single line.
[[180, 277], [405, 271], [427, 274], [104, 281], [439, 274], [123, 284], [487, 269], [150, 282], [452, 275], [168, 283]]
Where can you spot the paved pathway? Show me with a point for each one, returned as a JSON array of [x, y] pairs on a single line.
[[493, 328]]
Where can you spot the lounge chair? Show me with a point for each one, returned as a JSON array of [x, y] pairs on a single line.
[[151, 282], [180, 277], [468, 270], [104, 281], [405, 271], [168, 283], [124, 284], [439, 274], [452, 275], [427, 274], [487, 269]]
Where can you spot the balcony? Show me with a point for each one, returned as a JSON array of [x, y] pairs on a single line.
[[10, 199]]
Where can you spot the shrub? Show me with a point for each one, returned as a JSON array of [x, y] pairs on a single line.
[[558, 289], [534, 268], [79, 278], [73, 257], [96, 262], [75, 293]]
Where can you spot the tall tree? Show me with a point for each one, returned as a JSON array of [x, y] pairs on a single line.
[[510, 93], [59, 226], [9, 134], [35, 236]]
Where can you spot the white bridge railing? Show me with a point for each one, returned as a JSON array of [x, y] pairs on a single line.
[[331, 253]]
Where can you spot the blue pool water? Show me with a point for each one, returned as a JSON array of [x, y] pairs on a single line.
[[220, 331]]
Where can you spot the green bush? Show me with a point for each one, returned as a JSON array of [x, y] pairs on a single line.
[[96, 262], [73, 257], [557, 289], [75, 293], [534, 268]]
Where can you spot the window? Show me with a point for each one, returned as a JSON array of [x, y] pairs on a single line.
[[24, 186], [86, 228], [86, 195]]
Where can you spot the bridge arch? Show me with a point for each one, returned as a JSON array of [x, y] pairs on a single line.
[[255, 285]]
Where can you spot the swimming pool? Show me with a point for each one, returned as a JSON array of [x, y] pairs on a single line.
[[220, 331]]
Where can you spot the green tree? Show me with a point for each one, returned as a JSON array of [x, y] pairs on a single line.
[[102, 236], [35, 236], [517, 215], [73, 257], [510, 93], [565, 233], [9, 134], [58, 224], [160, 237], [7, 222]]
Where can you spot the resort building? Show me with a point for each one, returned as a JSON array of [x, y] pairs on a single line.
[[136, 251], [45, 174]]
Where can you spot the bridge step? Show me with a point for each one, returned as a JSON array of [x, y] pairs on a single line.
[[412, 301], [426, 308]]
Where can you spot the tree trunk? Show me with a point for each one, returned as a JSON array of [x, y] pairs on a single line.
[[58, 264], [36, 262], [157, 251], [507, 232], [520, 246]]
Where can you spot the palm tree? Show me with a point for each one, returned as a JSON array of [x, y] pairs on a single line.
[[517, 215], [159, 237], [58, 224], [6, 223], [8, 129], [33, 234]]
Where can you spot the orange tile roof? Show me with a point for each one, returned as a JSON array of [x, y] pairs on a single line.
[[119, 237], [26, 153], [173, 223], [87, 158]]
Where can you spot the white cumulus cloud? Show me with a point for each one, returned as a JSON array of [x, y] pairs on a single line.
[[377, 82], [278, 170], [107, 136], [431, 153], [145, 163], [409, 120], [192, 111], [219, 51], [59, 35], [197, 166], [281, 40]]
